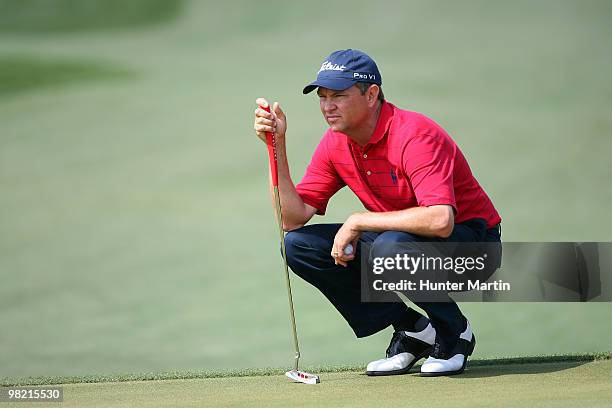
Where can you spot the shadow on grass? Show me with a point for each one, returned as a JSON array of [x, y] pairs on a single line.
[[514, 369], [20, 73]]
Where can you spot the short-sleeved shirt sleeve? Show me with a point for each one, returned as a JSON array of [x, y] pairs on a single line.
[[428, 161], [321, 181]]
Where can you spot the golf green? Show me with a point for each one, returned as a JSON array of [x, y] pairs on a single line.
[[547, 384]]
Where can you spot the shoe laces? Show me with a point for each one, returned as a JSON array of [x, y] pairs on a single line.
[[395, 340], [438, 351]]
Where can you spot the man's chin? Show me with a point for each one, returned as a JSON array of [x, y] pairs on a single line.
[[336, 127]]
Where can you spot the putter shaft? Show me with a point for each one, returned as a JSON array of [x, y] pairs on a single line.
[[279, 218]]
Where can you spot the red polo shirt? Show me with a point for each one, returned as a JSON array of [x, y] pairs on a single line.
[[409, 161]]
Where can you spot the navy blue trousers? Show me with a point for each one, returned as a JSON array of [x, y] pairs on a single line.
[[308, 255]]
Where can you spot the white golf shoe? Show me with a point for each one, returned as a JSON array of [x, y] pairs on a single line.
[[405, 349], [444, 363]]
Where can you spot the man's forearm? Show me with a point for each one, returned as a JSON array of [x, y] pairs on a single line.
[[434, 221], [294, 210]]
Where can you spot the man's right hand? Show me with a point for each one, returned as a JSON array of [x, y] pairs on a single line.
[[274, 121]]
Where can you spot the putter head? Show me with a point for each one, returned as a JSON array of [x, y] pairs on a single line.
[[303, 377]]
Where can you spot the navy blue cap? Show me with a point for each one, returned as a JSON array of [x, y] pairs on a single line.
[[343, 69]]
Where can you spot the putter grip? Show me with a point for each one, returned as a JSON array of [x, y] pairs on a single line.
[[271, 143]]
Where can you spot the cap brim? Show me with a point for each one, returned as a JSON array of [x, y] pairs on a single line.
[[337, 84]]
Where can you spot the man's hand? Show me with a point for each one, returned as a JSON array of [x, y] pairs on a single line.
[[274, 121], [347, 234]]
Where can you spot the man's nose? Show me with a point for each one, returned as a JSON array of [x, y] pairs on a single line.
[[328, 106]]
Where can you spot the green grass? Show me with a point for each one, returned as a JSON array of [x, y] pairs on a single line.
[[20, 73], [44, 16], [186, 375], [556, 383], [137, 235]]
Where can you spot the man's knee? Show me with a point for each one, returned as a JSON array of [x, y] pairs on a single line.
[[309, 246], [295, 244]]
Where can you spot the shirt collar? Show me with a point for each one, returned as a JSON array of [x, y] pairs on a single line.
[[382, 125], [384, 120]]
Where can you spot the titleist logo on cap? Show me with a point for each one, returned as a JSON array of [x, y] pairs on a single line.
[[328, 66]]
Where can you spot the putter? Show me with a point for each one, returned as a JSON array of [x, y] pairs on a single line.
[[295, 374]]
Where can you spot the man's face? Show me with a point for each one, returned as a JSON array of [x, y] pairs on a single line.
[[343, 110]]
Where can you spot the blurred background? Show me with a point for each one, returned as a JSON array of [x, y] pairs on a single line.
[[136, 232]]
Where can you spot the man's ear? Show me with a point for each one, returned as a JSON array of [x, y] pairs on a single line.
[[372, 94]]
